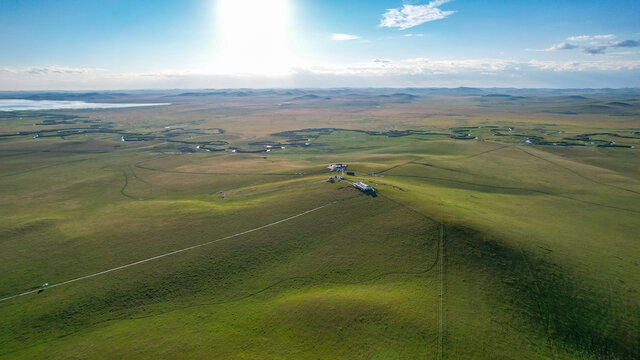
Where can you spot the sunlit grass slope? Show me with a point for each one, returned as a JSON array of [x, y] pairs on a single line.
[[470, 250]]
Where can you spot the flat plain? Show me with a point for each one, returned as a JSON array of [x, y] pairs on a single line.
[[505, 225]]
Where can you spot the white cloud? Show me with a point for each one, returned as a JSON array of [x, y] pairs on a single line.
[[561, 46], [594, 50], [344, 37], [624, 53], [62, 70], [591, 37], [594, 47], [579, 66], [416, 66], [379, 72], [413, 35], [625, 43], [413, 15]]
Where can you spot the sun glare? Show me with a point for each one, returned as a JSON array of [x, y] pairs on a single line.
[[253, 37]]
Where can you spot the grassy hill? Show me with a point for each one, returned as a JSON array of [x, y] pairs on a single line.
[[473, 248]]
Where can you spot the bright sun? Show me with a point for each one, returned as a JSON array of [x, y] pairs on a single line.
[[253, 37]]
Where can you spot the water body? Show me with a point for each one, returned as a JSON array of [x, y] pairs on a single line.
[[22, 105]]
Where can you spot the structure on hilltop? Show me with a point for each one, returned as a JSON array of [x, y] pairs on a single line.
[[364, 187], [337, 167]]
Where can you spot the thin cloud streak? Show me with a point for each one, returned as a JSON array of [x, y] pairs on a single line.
[[344, 37], [591, 37], [561, 46], [625, 43], [593, 48], [60, 70]]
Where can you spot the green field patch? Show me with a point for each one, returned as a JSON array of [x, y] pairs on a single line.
[[473, 248]]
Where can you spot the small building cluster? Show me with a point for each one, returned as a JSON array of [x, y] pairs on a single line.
[[337, 167], [363, 187]]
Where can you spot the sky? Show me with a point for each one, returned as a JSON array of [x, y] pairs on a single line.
[[134, 44]]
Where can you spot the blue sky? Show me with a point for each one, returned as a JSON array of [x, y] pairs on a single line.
[[117, 44]]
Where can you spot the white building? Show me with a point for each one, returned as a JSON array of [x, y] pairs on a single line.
[[363, 187], [337, 167]]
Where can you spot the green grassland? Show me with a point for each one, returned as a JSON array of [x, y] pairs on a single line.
[[477, 246]]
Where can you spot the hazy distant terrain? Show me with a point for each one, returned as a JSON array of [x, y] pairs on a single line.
[[505, 225]]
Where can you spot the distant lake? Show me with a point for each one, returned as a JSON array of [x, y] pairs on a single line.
[[21, 105]]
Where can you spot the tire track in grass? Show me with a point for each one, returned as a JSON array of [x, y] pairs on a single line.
[[480, 153], [524, 189], [139, 166], [126, 182], [514, 189], [541, 302], [212, 174], [578, 174], [277, 283], [393, 167], [42, 167], [442, 317], [301, 176], [124, 186], [3, 155], [299, 278], [542, 305], [177, 251], [303, 278], [142, 180], [266, 191], [440, 259], [464, 157]]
